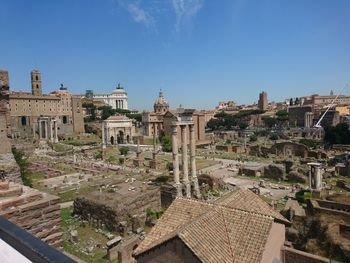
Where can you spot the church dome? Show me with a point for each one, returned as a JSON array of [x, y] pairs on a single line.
[[161, 105], [161, 101]]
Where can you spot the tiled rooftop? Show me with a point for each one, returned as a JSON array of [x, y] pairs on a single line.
[[224, 231]]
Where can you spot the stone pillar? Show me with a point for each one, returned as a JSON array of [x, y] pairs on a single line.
[[40, 130], [103, 136], [185, 161], [51, 131], [193, 162], [315, 177], [154, 137], [56, 133], [45, 122], [34, 133], [176, 161]]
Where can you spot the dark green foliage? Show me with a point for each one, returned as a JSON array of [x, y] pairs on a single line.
[[303, 195], [23, 166], [269, 121], [154, 213], [98, 155], [339, 134], [124, 150], [91, 110], [166, 143], [253, 138], [282, 115], [245, 113], [243, 125], [135, 116], [309, 143], [274, 136], [221, 114]]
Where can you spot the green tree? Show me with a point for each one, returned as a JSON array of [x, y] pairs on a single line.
[[273, 136], [166, 143], [243, 125], [124, 150], [269, 121], [308, 142], [23, 166]]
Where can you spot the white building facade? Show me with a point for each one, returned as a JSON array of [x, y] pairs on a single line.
[[118, 99]]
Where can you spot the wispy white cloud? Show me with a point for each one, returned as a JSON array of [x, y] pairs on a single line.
[[184, 10], [139, 14]]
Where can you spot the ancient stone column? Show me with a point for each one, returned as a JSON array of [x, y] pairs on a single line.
[[51, 131], [40, 130], [193, 162], [34, 133], [185, 161], [176, 161], [45, 122], [56, 133], [103, 136]]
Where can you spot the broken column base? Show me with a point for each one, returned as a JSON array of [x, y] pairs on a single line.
[[154, 164], [138, 162]]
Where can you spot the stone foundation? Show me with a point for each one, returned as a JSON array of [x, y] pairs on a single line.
[[121, 214]]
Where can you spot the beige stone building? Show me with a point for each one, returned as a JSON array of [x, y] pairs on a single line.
[[34, 115], [154, 123]]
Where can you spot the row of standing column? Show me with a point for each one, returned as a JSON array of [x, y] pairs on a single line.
[[120, 104], [176, 169], [53, 130]]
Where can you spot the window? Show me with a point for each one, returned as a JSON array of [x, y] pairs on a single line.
[[37, 86], [64, 120], [24, 121], [36, 78]]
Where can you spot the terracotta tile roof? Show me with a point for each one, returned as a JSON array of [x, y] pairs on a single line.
[[246, 200], [227, 235], [180, 213], [215, 232]]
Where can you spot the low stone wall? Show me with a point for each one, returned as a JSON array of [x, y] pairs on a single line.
[[36, 212], [344, 230], [291, 255], [315, 207]]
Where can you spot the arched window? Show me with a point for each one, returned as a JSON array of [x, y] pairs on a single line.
[[37, 86], [64, 120], [36, 78], [24, 121]]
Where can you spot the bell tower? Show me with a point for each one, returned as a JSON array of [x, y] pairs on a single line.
[[36, 82]]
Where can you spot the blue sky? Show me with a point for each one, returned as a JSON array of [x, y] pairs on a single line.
[[199, 51]]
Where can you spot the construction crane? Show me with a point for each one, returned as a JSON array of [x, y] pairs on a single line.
[[318, 124]]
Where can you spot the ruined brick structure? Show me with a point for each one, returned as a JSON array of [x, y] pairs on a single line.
[[36, 212]]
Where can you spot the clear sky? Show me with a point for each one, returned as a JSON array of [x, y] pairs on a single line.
[[199, 51]]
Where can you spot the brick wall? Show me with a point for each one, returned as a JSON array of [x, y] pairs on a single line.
[[36, 212]]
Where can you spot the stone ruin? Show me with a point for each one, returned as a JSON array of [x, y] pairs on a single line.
[[118, 212], [35, 211]]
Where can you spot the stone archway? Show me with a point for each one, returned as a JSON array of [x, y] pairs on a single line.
[[128, 138], [120, 137], [112, 140]]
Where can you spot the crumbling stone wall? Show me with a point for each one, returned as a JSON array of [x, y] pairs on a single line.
[[36, 212], [119, 215]]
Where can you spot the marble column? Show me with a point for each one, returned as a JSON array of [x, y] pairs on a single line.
[[34, 133], [103, 136], [40, 130], [176, 161], [193, 162], [185, 161], [56, 133], [45, 122], [51, 131]]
